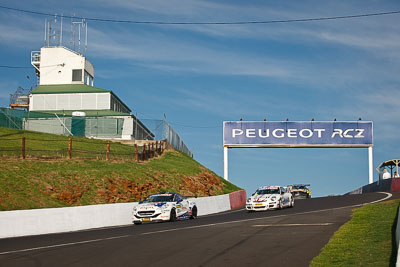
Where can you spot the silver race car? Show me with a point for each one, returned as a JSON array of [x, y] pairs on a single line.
[[164, 207], [270, 197]]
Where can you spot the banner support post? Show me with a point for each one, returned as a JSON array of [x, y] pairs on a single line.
[[371, 174], [226, 163]]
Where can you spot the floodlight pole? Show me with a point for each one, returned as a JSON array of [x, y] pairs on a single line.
[[226, 163], [371, 174]]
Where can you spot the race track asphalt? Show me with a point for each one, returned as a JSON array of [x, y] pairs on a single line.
[[288, 237]]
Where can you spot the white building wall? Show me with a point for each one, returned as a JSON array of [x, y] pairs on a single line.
[[57, 63], [76, 101], [127, 129]]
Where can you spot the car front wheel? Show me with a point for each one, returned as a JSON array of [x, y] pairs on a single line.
[[172, 216], [194, 213]]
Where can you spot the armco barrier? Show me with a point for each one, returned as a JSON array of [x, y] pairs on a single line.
[[237, 199], [57, 220]]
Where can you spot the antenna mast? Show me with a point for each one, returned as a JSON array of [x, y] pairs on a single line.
[[81, 27], [51, 33]]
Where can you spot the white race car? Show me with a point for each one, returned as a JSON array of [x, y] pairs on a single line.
[[164, 207], [270, 197]]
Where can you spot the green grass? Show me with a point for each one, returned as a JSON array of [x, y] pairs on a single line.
[[366, 240], [43, 183]]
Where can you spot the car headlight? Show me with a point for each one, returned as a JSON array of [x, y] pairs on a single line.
[[134, 209], [248, 200], [273, 198]]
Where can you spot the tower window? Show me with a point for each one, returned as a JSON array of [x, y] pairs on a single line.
[[76, 75]]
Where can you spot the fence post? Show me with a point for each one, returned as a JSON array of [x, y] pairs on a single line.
[[108, 151], [158, 153], [144, 152], [152, 150], [70, 148], [137, 154], [23, 148]]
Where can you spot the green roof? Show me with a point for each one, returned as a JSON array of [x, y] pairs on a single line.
[[67, 88], [68, 113]]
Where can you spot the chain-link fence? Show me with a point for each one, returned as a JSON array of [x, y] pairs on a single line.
[[163, 131], [12, 118]]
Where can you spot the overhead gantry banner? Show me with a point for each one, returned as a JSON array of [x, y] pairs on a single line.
[[298, 134]]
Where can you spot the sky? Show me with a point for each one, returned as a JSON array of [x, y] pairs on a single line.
[[201, 75]]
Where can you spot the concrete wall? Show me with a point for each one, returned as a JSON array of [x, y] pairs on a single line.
[[237, 199], [57, 220], [210, 205]]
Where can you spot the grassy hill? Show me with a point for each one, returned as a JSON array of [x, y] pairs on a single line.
[[59, 182]]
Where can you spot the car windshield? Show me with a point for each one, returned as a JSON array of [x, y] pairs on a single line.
[[267, 191], [159, 198], [298, 187]]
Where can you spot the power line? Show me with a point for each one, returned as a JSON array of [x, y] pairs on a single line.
[[191, 126], [208, 23], [22, 67], [13, 67]]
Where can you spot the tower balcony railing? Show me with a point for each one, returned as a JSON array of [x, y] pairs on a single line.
[[35, 57]]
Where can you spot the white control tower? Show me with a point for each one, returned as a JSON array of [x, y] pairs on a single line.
[[57, 64]]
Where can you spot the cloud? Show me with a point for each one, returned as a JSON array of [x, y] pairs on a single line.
[[207, 50], [18, 30], [161, 52], [223, 104], [190, 10]]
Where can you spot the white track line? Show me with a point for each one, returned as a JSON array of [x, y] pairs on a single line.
[[379, 200], [291, 224], [186, 228], [64, 245]]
